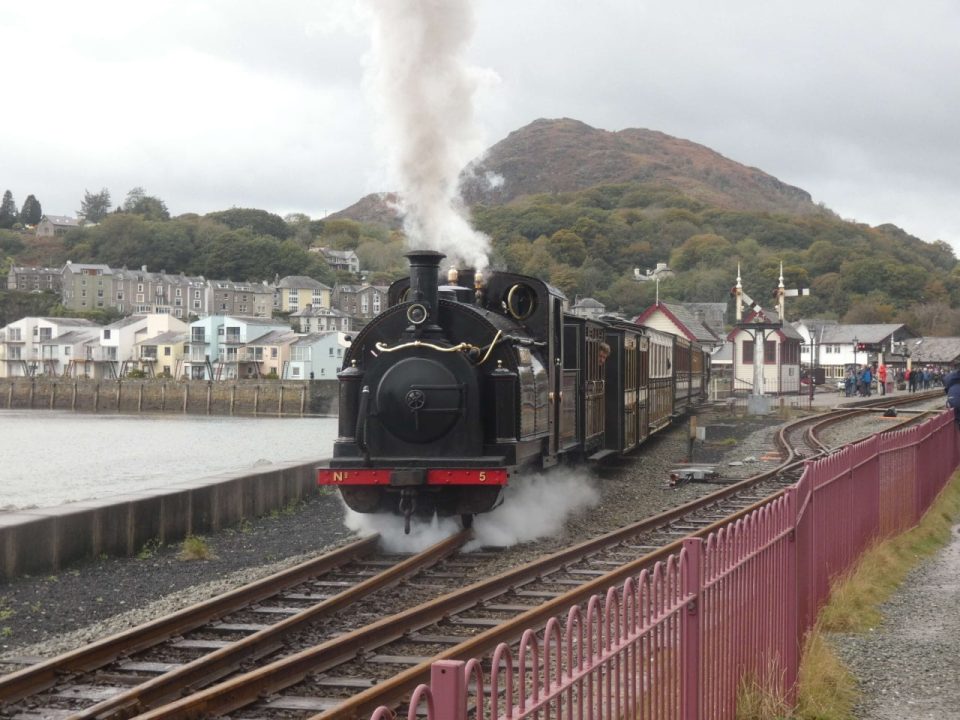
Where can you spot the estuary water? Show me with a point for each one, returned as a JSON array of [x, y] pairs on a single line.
[[50, 457]]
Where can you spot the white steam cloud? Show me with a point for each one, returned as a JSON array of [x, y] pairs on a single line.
[[534, 506], [424, 93]]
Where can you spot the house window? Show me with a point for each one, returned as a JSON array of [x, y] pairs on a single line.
[[119, 294], [106, 334], [295, 370], [139, 297], [140, 287], [748, 352], [331, 352], [769, 352], [166, 352], [196, 304], [179, 292], [376, 303], [196, 294], [273, 352]]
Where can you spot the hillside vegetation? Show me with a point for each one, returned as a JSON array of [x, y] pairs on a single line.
[[582, 208]]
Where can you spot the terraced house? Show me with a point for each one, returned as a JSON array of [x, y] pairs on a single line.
[[296, 292], [26, 347], [215, 343]]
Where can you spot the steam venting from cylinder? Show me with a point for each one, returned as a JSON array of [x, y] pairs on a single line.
[[424, 91]]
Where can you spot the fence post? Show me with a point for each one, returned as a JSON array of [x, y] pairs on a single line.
[[691, 587], [448, 685], [915, 436], [794, 635]]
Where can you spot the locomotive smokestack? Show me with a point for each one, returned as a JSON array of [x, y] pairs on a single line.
[[424, 280]]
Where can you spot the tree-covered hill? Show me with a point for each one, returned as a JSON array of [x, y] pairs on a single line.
[[589, 242], [550, 156]]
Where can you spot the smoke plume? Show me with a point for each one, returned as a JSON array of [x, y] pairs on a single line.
[[424, 93]]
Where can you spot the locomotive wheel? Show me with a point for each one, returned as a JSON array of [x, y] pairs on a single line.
[[466, 519]]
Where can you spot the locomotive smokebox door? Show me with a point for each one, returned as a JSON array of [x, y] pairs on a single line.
[[421, 399]]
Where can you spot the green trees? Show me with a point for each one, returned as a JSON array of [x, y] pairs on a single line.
[[95, 206], [259, 222], [193, 245], [147, 206], [8, 211], [586, 243], [31, 212]]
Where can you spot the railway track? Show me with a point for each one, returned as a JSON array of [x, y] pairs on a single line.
[[802, 440], [349, 672], [206, 641]]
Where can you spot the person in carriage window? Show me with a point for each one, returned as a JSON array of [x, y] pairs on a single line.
[[604, 353]]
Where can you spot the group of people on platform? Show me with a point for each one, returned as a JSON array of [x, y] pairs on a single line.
[[859, 381], [863, 381]]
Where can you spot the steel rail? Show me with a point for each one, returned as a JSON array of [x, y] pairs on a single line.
[[36, 678], [215, 665], [880, 402], [839, 414]]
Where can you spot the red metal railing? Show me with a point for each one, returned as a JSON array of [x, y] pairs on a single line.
[[676, 641]]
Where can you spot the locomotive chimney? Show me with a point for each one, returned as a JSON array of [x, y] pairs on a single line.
[[424, 280]]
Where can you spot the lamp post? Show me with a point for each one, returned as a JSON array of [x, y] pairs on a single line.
[[855, 342]]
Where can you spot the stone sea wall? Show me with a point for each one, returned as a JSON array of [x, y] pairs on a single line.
[[275, 398]]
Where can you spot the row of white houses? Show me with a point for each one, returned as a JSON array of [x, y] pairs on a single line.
[[218, 347]]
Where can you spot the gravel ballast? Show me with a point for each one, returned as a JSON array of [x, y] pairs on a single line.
[[907, 666]]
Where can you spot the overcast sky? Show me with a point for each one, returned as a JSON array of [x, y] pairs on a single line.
[[212, 104]]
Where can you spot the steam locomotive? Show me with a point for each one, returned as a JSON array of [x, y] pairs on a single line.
[[454, 387]]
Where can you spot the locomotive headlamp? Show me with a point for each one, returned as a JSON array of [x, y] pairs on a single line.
[[417, 314], [453, 275]]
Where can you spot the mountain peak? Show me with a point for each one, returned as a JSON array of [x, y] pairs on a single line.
[[565, 155]]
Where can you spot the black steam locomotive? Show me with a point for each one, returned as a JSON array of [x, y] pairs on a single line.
[[455, 386]]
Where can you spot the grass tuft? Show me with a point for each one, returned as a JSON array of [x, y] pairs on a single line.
[[763, 697], [196, 548], [827, 689], [149, 549]]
